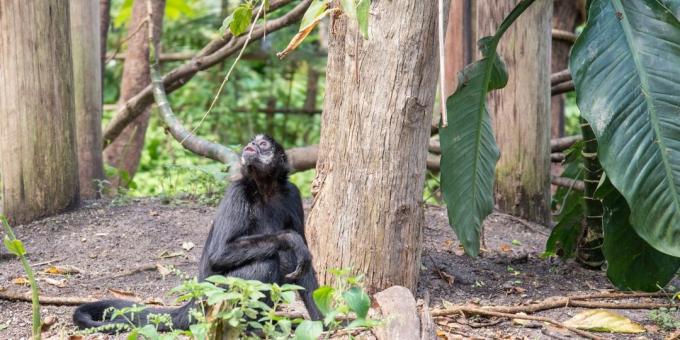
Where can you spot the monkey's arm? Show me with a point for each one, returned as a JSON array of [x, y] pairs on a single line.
[[258, 247]]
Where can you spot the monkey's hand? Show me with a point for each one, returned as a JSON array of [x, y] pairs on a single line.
[[303, 258]]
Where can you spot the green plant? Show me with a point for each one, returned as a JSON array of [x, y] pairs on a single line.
[[468, 139], [234, 308], [667, 319], [624, 75], [347, 296], [16, 247]]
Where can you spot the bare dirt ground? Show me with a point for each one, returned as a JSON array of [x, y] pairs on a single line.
[[103, 240]]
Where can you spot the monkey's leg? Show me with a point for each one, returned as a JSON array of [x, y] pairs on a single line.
[[306, 279]]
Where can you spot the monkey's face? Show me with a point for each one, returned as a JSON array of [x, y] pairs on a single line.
[[260, 154]]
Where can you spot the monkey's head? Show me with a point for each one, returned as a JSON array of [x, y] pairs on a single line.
[[263, 158]]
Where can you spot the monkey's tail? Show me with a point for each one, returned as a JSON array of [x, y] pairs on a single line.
[[91, 315]]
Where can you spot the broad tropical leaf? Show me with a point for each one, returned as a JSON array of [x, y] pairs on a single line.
[[632, 264], [469, 150], [570, 206], [625, 66]]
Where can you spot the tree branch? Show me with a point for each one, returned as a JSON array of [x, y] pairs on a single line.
[[563, 143], [561, 88], [560, 77], [213, 53], [565, 36], [188, 140]]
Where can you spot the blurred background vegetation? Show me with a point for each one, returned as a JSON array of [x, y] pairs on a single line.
[[260, 81]]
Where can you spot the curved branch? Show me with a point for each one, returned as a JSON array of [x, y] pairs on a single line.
[[216, 51], [188, 140]]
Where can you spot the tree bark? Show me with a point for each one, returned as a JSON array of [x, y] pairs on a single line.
[[87, 80], [460, 42], [567, 14], [104, 21], [38, 159], [367, 212], [125, 151], [521, 111]]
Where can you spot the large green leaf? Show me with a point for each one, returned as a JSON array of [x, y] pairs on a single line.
[[570, 207], [626, 67], [673, 6], [469, 151], [632, 264]]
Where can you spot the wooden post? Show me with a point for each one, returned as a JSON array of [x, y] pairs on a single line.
[[38, 158], [521, 111], [87, 81]]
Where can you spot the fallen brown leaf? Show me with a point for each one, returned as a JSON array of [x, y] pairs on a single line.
[[58, 283], [62, 270], [21, 281]]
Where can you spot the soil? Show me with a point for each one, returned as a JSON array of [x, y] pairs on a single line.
[[103, 239]]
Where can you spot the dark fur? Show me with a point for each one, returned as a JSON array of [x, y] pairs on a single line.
[[257, 234]]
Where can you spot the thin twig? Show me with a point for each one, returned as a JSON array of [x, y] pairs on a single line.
[[557, 302], [621, 295], [120, 43], [47, 262], [45, 300], [231, 69]]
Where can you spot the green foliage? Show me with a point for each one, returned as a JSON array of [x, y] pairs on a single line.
[[628, 255], [344, 298], [570, 207], [239, 20], [234, 307], [363, 6], [16, 247], [315, 10], [469, 151], [169, 171], [624, 69], [667, 319], [358, 10]]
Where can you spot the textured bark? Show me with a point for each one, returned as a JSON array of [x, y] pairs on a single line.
[[87, 80], [589, 248], [367, 212], [125, 151], [567, 14], [521, 111], [460, 41], [104, 22], [38, 158]]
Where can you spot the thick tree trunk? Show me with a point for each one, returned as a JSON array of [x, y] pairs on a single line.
[[567, 14], [367, 212], [521, 111], [125, 151], [37, 115], [87, 80]]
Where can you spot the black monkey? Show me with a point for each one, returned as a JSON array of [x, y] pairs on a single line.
[[257, 234]]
